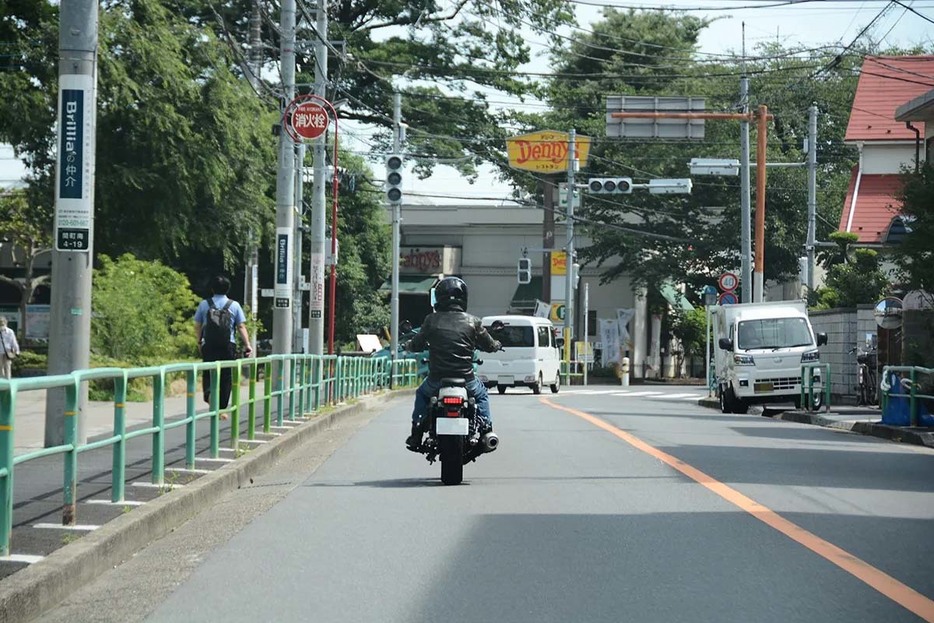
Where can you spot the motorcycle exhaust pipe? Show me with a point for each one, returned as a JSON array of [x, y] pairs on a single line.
[[489, 441]]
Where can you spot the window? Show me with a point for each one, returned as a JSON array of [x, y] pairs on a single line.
[[773, 333], [514, 337], [543, 335]]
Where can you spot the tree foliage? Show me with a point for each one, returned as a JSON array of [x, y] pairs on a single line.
[[26, 232], [854, 275], [915, 256], [142, 311]]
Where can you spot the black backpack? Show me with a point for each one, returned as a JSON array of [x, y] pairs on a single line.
[[218, 325]]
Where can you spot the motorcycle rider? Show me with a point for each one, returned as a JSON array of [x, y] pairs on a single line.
[[451, 335]]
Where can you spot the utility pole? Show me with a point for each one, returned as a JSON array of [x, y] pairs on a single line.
[[251, 274], [285, 191], [396, 234], [761, 142], [548, 237], [318, 218], [569, 252], [744, 194], [812, 194], [298, 341], [70, 322]]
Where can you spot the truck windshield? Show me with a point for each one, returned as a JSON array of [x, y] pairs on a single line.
[[773, 333], [515, 336]]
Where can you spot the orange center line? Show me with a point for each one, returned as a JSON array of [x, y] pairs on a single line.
[[901, 594]]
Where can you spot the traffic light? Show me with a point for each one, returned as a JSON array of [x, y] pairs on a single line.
[[394, 178], [610, 185], [525, 270]]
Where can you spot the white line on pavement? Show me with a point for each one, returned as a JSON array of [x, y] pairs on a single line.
[[29, 560], [58, 526], [123, 503]]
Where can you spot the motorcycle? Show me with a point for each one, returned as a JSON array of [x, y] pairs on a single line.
[[457, 435]]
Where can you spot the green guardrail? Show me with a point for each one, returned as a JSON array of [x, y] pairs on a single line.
[[299, 384], [908, 385], [807, 385]]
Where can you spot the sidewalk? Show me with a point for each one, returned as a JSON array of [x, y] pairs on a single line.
[[862, 420], [97, 417]]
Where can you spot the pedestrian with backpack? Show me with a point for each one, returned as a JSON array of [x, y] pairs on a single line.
[[216, 319]]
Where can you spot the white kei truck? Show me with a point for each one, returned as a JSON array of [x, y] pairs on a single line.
[[760, 348], [529, 358]]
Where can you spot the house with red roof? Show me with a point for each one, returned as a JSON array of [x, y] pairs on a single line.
[[890, 134]]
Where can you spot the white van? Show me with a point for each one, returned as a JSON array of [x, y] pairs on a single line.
[[530, 357]]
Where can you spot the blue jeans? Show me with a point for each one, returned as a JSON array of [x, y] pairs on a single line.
[[475, 390]]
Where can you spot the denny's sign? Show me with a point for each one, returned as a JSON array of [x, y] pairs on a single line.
[[545, 151]]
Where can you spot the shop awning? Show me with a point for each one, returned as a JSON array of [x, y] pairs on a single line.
[[527, 294], [410, 284], [674, 297]]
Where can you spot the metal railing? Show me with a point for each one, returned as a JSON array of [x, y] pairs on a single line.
[[807, 385], [908, 388], [300, 385]]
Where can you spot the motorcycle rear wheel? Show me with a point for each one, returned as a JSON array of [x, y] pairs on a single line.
[[451, 449]]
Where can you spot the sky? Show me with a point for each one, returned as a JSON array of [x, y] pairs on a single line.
[[811, 23]]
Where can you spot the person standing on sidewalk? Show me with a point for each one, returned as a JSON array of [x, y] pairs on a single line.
[[216, 319], [10, 349]]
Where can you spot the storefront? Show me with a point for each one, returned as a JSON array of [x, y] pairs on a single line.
[[420, 268]]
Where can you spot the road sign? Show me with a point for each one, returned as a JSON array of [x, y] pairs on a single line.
[[710, 295], [557, 312], [728, 298], [728, 282], [309, 120]]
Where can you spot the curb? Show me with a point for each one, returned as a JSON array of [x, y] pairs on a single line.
[[892, 433], [28, 593]]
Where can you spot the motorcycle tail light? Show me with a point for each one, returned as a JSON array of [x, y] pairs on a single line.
[[452, 400]]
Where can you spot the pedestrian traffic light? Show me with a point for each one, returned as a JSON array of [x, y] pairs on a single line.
[[610, 185], [394, 179], [525, 270]]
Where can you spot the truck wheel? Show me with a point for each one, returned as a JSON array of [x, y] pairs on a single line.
[[739, 405], [501, 389], [537, 386], [556, 385], [725, 405]]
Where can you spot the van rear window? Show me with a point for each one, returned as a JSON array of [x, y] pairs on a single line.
[[515, 337]]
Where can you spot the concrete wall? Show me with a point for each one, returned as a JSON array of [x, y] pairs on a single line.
[[845, 329]]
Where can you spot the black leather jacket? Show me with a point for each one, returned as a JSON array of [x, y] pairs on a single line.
[[451, 338]]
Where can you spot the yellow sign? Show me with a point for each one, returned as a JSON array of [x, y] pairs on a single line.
[[559, 263], [545, 151], [557, 312]]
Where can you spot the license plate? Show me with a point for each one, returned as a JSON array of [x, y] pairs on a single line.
[[762, 387], [506, 380], [451, 426]]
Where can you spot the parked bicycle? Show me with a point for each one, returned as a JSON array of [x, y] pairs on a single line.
[[867, 385]]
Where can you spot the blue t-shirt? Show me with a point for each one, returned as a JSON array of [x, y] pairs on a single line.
[[201, 314]]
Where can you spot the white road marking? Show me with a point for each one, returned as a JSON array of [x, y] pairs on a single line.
[[149, 485], [57, 526], [29, 560], [217, 460], [123, 503], [184, 470]]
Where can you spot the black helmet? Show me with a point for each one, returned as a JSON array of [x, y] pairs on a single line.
[[449, 292]]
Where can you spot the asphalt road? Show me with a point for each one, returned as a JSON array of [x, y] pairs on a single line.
[[596, 507]]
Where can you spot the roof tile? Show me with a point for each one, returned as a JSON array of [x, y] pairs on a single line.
[[885, 83], [876, 206]]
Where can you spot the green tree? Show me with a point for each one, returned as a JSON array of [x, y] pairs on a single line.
[[915, 255], [364, 260], [142, 311], [26, 231], [185, 159], [651, 238]]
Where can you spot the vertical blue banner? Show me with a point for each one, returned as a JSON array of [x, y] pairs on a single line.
[[71, 153]]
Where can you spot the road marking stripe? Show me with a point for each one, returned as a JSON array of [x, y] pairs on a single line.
[[28, 559], [698, 396], [123, 503], [643, 393], [901, 594], [58, 526]]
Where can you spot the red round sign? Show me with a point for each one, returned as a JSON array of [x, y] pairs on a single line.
[[309, 120], [728, 282]]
